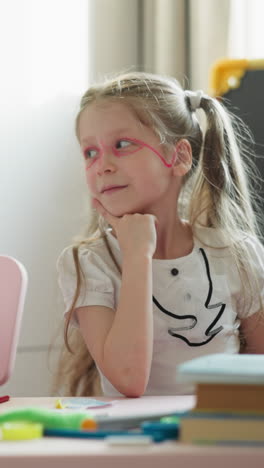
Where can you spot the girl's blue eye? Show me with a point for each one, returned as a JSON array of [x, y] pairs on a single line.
[[90, 153], [120, 144]]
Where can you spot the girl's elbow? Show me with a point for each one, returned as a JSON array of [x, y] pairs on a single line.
[[133, 392], [133, 385]]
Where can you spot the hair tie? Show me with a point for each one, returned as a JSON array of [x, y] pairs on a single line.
[[195, 99]]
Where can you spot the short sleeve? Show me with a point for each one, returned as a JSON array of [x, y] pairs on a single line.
[[96, 286], [252, 299]]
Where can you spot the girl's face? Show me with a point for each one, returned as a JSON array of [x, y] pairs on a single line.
[[127, 169]]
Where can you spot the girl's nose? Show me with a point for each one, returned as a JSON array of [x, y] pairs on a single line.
[[106, 161]]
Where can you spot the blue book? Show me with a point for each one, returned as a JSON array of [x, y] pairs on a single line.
[[223, 368]]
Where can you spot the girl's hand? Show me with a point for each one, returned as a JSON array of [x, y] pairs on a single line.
[[136, 233]]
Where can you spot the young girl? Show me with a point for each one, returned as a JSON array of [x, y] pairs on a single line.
[[171, 268]]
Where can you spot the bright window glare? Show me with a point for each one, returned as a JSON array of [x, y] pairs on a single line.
[[44, 54], [246, 29], [45, 45]]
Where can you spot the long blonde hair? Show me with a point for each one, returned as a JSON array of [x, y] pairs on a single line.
[[216, 195]]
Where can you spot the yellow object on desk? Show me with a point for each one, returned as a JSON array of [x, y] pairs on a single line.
[[59, 405], [20, 431]]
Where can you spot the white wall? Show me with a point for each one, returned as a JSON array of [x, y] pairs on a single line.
[[208, 37], [44, 58], [116, 36]]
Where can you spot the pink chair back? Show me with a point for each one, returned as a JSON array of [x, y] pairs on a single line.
[[13, 286]]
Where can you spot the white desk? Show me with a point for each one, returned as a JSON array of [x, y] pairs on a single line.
[[84, 453]]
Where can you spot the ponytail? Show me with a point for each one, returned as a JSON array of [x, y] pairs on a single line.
[[220, 197], [220, 193]]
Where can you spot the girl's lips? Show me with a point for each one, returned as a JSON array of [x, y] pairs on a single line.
[[113, 189]]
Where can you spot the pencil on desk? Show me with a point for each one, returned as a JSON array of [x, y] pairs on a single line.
[[118, 423]]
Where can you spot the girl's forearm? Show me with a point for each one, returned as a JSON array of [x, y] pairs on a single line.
[[129, 343]]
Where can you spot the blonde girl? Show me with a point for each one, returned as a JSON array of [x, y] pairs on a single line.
[[171, 267]]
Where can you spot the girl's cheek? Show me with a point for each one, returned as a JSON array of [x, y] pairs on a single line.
[[90, 180]]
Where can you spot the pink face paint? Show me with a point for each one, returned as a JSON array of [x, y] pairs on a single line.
[[94, 153], [158, 154]]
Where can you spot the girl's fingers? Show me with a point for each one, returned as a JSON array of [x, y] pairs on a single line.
[[103, 212], [156, 221]]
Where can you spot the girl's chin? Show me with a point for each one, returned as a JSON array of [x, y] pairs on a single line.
[[118, 213], [120, 209]]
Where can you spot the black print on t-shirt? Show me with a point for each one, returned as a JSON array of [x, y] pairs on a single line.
[[210, 332]]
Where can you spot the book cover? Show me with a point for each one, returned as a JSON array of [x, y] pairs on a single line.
[[198, 427], [223, 368], [226, 397]]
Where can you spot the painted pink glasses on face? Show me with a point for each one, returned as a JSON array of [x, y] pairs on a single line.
[[131, 145]]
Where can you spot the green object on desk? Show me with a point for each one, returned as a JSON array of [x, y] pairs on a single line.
[[50, 419], [170, 420]]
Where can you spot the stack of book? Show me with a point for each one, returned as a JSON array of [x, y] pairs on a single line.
[[229, 405]]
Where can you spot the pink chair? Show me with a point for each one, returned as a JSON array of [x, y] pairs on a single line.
[[13, 286]]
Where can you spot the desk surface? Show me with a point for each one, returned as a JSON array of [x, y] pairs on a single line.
[[63, 453]]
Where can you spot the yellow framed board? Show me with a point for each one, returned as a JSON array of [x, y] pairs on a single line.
[[239, 84]]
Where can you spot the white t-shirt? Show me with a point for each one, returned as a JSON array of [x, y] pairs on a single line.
[[198, 301]]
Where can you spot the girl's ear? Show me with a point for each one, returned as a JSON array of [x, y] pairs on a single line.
[[183, 158]]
